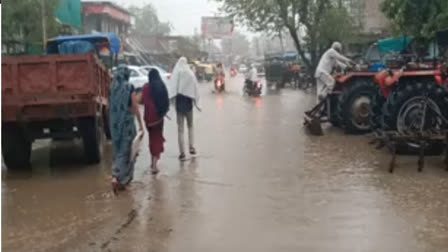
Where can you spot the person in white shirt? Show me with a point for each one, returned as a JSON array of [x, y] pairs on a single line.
[[329, 60], [251, 76]]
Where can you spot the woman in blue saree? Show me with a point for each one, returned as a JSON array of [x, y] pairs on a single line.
[[123, 108]]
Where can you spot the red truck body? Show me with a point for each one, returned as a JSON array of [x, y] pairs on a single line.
[[56, 96], [40, 88]]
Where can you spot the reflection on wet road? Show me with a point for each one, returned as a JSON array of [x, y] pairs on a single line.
[[259, 184]]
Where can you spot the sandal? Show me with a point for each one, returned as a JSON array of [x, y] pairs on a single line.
[[116, 186], [154, 170]]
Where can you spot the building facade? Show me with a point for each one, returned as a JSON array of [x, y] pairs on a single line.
[[374, 20], [368, 15], [105, 17]]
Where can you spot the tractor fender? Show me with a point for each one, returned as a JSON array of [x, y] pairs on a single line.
[[345, 78]]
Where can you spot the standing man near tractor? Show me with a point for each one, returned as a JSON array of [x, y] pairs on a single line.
[[329, 60]]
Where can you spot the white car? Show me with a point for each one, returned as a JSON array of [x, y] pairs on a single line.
[[243, 68], [138, 77], [163, 74]]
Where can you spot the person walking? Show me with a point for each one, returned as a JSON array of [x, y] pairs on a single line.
[[156, 103], [184, 88], [123, 108]]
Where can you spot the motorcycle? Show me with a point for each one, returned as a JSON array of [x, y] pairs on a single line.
[[252, 88], [220, 84]]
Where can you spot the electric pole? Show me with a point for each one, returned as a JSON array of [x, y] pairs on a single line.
[[44, 23]]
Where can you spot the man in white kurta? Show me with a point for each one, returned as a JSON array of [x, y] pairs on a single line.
[[329, 60]]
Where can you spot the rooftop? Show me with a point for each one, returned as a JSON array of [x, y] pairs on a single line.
[[111, 4]]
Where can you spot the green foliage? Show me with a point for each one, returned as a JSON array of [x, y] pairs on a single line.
[[312, 24], [147, 22], [417, 18], [189, 47], [336, 25], [22, 23], [238, 44]]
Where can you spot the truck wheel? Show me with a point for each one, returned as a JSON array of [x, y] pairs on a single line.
[[92, 137], [354, 106], [106, 125], [16, 149], [403, 112]]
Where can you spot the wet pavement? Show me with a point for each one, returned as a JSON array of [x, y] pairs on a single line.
[[259, 184]]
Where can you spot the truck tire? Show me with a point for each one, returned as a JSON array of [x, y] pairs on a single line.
[[402, 105], [354, 106], [16, 148], [106, 125], [92, 136]]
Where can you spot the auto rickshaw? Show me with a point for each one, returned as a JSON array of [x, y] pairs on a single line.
[[208, 72]]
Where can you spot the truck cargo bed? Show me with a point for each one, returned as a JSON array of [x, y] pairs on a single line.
[[51, 86]]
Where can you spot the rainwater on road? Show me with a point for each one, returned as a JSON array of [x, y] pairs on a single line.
[[260, 183]]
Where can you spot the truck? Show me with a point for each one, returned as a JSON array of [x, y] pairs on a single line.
[[62, 94]]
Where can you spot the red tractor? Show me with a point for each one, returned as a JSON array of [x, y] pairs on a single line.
[[349, 105], [414, 99]]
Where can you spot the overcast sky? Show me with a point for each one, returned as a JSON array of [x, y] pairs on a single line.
[[184, 15]]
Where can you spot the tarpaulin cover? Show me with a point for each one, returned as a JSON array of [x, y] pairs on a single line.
[[375, 67], [110, 38], [75, 47], [398, 44], [290, 55]]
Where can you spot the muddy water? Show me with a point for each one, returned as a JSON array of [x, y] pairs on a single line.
[[259, 184]]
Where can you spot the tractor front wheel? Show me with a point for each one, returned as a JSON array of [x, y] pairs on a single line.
[[354, 106]]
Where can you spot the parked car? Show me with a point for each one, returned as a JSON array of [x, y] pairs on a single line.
[[243, 68], [139, 76], [164, 74]]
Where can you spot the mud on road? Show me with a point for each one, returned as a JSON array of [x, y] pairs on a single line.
[[259, 184]]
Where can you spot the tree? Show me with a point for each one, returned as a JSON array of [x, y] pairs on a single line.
[[147, 22], [312, 24], [189, 47], [22, 23], [417, 18], [237, 44]]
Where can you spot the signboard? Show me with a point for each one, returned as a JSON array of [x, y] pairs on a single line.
[[217, 27], [69, 12]]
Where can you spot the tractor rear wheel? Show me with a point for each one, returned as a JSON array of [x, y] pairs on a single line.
[[403, 112], [354, 106]]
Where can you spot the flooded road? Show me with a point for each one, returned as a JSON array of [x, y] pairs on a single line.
[[259, 184]]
